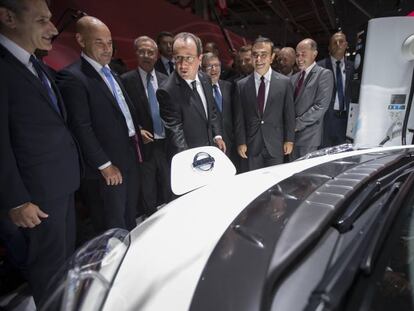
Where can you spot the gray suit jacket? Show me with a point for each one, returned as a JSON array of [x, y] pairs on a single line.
[[277, 123], [311, 104]]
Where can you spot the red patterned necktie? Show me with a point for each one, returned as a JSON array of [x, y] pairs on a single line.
[[300, 83]]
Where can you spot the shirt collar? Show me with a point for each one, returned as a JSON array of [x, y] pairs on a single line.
[[267, 75], [97, 66], [189, 81], [144, 74], [334, 60], [165, 60], [307, 70], [21, 54]]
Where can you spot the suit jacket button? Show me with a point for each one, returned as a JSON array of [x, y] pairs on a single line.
[[262, 122]]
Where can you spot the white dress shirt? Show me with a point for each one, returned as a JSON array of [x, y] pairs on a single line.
[[200, 91]]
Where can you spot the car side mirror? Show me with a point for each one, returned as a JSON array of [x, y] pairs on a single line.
[[198, 167]]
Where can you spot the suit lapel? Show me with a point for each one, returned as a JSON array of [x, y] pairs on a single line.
[[251, 93], [142, 91], [272, 90], [305, 83], [30, 77], [91, 72], [188, 93]]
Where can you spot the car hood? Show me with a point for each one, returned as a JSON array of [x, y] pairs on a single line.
[[169, 250]]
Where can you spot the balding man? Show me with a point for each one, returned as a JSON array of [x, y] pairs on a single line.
[[313, 87], [104, 122], [336, 117], [39, 161], [186, 99], [286, 60], [141, 85]]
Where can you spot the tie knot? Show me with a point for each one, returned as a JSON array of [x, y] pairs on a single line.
[[338, 62], [33, 60], [106, 71], [215, 86], [149, 77], [262, 78]]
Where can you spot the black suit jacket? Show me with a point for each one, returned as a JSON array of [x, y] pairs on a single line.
[[136, 91], [186, 123], [159, 66], [39, 160], [275, 126], [226, 114], [349, 71], [96, 119]]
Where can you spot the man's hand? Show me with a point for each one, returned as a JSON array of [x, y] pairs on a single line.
[[112, 175], [221, 144], [147, 137], [287, 147], [27, 216], [242, 151]]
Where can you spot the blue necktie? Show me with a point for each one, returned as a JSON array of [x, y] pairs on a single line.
[[45, 82], [218, 97], [107, 72], [155, 110], [339, 86]]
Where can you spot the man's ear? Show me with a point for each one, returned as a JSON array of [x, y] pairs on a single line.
[[316, 53], [7, 18], [80, 40]]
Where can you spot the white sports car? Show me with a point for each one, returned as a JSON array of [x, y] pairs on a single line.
[[334, 232]]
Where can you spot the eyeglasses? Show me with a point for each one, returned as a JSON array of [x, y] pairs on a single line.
[[260, 55], [148, 53], [188, 59], [209, 67]]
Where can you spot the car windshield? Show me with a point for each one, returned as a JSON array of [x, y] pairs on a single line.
[[90, 273]]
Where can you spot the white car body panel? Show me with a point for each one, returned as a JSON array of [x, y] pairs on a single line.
[[169, 250]]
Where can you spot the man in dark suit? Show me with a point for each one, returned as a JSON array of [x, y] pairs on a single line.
[[312, 92], [165, 64], [39, 160], [336, 117], [265, 117], [103, 120], [222, 95], [186, 100], [141, 85]]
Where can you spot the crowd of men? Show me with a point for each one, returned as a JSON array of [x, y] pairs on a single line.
[[111, 137]]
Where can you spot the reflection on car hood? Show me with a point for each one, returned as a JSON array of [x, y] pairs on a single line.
[[169, 251]]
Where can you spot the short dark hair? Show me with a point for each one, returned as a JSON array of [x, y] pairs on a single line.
[[264, 40], [188, 35], [245, 48], [161, 35], [16, 6]]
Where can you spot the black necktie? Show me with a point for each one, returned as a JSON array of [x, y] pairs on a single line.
[[171, 65], [339, 86], [261, 95], [197, 95], [45, 82]]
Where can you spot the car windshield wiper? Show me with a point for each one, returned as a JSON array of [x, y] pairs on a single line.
[[361, 252], [364, 199]]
